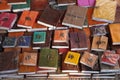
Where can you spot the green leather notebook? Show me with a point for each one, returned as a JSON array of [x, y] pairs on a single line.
[[39, 37], [48, 58], [21, 7]]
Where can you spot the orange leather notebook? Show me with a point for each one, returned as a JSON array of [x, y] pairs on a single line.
[[115, 33], [4, 6], [27, 19]]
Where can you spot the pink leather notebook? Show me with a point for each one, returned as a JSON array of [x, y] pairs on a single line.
[[86, 3], [7, 20]]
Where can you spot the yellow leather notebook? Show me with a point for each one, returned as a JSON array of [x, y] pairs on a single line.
[[105, 10], [72, 58]]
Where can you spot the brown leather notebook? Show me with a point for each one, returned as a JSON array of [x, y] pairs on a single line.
[[38, 4], [78, 41], [89, 59], [99, 43], [23, 69], [75, 16], [9, 62], [50, 17]]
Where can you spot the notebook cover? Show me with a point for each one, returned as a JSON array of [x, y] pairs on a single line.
[[68, 67], [78, 41], [89, 59], [27, 19], [110, 58], [105, 11], [48, 58], [24, 41], [38, 4], [72, 58], [75, 16], [4, 7], [8, 62], [60, 36], [98, 30], [21, 7], [9, 42], [86, 3], [47, 43], [24, 69], [92, 22], [29, 58], [114, 32], [99, 43], [39, 37], [50, 17], [7, 20]]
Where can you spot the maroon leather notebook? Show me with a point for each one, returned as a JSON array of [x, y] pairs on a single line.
[[7, 20]]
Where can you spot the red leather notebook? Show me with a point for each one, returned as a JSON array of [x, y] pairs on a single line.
[[7, 20]]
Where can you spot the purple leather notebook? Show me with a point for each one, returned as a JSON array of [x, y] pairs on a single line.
[[86, 3]]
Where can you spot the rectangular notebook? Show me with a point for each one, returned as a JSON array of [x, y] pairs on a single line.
[[29, 58], [68, 67], [75, 16], [9, 42], [27, 19], [78, 41], [89, 59], [7, 20], [104, 11], [48, 58], [98, 30], [4, 6], [110, 58], [99, 43], [72, 58], [24, 41], [50, 17], [39, 37], [114, 33], [21, 7], [47, 43], [25, 69], [9, 62]]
